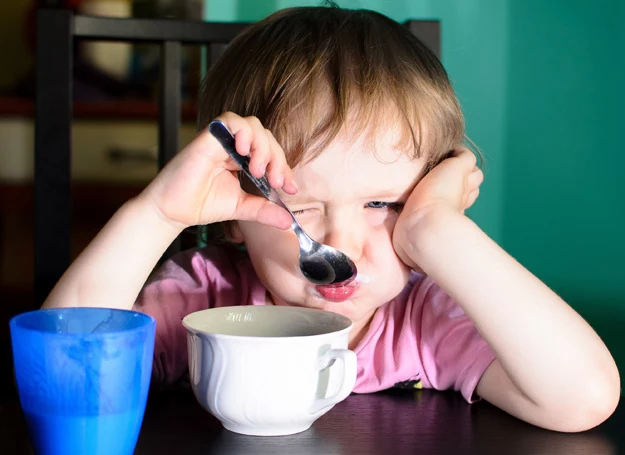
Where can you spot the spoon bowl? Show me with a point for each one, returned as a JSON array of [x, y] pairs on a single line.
[[320, 264]]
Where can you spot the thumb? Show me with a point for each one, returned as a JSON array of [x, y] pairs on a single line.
[[259, 209]]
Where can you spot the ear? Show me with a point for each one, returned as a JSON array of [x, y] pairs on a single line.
[[233, 233]]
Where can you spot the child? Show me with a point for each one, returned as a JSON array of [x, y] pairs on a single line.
[[356, 123]]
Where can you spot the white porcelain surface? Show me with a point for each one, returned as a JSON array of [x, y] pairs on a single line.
[[269, 370]]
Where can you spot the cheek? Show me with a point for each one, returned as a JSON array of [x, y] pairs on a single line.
[[271, 250], [382, 256], [275, 259], [381, 218], [389, 275]]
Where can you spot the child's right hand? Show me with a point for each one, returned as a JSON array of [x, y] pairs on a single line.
[[200, 184]]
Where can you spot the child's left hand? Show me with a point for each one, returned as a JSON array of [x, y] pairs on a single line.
[[452, 186]]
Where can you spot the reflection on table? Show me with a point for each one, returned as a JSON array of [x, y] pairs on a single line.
[[391, 422]]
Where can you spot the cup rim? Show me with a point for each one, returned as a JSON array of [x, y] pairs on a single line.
[[260, 338], [16, 321]]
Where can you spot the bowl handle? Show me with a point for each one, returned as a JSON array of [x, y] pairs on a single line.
[[348, 359]]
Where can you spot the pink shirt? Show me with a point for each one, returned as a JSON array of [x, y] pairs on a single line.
[[421, 338]]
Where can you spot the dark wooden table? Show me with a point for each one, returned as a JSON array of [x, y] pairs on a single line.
[[389, 423]]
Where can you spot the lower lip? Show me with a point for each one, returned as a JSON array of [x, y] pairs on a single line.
[[336, 293]]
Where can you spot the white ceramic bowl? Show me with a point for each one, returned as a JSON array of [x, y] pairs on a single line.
[[269, 370]]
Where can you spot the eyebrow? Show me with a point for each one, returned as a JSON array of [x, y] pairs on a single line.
[[395, 195]]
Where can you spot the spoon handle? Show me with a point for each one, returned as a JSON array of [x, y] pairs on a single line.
[[319, 263], [226, 139]]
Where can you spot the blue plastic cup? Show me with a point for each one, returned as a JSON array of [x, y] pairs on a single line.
[[83, 376]]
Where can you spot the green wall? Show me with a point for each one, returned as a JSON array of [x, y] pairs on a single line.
[[542, 86], [564, 185]]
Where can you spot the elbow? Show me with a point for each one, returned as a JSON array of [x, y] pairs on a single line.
[[590, 406], [594, 411]]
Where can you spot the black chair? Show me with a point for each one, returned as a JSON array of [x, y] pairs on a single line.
[[57, 31]]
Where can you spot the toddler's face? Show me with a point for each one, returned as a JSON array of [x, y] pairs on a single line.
[[349, 198]]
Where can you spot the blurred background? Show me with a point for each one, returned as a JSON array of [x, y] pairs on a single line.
[[542, 86]]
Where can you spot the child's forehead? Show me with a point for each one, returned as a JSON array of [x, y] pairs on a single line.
[[373, 160], [344, 172], [387, 138]]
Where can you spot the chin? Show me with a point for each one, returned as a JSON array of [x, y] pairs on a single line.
[[356, 306], [352, 309], [345, 308]]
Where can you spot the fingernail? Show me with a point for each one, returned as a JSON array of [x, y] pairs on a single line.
[[292, 186]]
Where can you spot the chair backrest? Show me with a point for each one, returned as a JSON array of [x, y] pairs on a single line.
[[57, 31]]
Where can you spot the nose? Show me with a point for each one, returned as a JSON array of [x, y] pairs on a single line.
[[347, 236]]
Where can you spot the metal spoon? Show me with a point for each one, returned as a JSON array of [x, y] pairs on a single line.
[[320, 264]]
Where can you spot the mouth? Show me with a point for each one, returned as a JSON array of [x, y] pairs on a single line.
[[336, 293]]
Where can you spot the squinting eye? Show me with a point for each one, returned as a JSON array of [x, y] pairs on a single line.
[[396, 206]]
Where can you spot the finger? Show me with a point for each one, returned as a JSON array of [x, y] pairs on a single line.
[[250, 140], [260, 150], [475, 179], [459, 150], [204, 144], [256, 208], [240, 129], [278, 170], [466, 157], [272, 215], [471, 198], [275, 168]]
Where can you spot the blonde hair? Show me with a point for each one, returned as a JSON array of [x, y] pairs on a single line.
[[302, 71]]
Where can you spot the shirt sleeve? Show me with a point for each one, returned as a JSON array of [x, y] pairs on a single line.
[[178, 288], [453, 353], [190, 281]]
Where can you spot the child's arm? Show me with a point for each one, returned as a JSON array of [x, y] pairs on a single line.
[[552, 369], [199, 186]]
